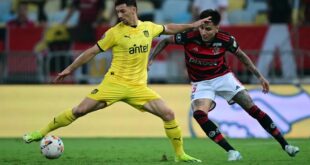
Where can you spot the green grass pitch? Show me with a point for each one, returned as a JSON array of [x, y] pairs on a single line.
[[144, 151]]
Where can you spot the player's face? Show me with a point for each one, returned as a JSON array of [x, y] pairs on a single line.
[[208, 31], [126, 14]]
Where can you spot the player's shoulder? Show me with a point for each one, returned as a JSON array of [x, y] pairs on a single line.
[[223, 36], [146, 23], [187, 36], [114, 31], [117, 29], [191, 34], [117, 26]]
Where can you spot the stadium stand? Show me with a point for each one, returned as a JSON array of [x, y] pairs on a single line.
[[21, 64]]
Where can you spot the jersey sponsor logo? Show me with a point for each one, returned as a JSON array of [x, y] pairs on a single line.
[[138, 49], [202, 63], [146, 33]]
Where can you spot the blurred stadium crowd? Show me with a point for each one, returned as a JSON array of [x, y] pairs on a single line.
[[38, 38]]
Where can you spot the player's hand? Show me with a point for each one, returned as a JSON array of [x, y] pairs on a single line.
[[62, 75], [265, 84], [201, 22]]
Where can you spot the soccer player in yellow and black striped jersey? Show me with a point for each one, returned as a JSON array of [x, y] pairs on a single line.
[[126, 80]]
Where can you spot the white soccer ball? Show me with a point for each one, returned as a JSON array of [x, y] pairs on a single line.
[[52, 147]]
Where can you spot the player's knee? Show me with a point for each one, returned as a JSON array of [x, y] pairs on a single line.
[[79, 111], [168, 115]]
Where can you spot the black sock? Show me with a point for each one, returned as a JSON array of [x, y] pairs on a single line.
[[266, 122], [211, 130]]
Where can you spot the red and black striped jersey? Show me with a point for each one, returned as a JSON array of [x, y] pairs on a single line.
[[206, 60]]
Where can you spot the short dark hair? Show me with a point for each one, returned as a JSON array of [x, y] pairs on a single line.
[[127, 2], [215, 16]]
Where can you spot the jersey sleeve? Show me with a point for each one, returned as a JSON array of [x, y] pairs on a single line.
[[157, 29], [232, 45], [107, 41], [180, 38]]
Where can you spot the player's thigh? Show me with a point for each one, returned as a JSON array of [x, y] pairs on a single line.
[[137, 96], [202, 96], [108, 93], [228, 86], [87, 105], [145, 99]]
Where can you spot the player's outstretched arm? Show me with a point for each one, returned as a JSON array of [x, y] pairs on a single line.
[[80, 60], [176, 28], [249, 64], [162, 44]]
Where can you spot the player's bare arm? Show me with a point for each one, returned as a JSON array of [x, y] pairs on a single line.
[[249, 64], [80, 60], [161, 45], [176, 28]]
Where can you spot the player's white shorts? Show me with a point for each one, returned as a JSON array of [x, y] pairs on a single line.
[[226, 86]]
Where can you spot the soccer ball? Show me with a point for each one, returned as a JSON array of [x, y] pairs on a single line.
[[52, 147]]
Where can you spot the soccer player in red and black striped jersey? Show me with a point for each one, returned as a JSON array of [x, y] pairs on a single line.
[[210, 75]]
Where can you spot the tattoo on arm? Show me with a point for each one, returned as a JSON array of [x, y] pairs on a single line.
[[247, 62], [158, 48]]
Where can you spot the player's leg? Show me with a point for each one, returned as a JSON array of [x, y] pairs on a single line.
[[145, 99], [172, 129], [203, 96], [201, 108], [65, 118], [246, 102], [104, 95]]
